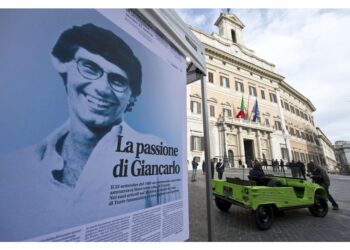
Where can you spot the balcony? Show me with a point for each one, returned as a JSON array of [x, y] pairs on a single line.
[[245, 123]]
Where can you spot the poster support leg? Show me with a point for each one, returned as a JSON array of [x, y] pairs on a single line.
[[209, 194]]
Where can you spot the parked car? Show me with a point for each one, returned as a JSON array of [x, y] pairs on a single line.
[[269, 195]]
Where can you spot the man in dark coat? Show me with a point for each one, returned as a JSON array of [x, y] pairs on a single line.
[[194, 168], [256, 173], [301, 169], [264, 163], [293, 169], [220, 168], [320, 176], [282, 165]]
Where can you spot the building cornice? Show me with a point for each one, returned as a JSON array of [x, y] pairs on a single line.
[[298, 94], [242, 63], [243, 49], [322, 136], [211, 50]]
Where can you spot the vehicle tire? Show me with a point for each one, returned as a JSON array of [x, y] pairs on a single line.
[[320, 207], [222, 204], [263, 217]]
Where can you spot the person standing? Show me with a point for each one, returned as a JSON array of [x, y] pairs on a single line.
[[273, 165], [204, 167], [282, 165], [220, 168], [301, 169], [194, 168], [212, 165], [293, 169], [240, 164], [277, 165], [320, 176], [309, 166], [264, 163]]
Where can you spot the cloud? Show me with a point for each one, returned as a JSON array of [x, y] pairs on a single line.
[[310, 48], [203, 19]]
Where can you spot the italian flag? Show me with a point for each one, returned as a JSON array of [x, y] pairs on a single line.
[[241, 113]]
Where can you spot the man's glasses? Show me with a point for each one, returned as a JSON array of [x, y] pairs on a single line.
[[92, 71]]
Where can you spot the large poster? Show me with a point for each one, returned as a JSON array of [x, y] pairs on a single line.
[[92, 130]]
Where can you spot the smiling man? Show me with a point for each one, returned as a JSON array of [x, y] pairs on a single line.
[[67, 179], [102, 78]]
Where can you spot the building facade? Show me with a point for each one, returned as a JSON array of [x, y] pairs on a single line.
[[285, 127], [327, 157], [342, 154]]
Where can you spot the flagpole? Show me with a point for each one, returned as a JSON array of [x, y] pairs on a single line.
[[250, 118], [255, 111], [247, 108]]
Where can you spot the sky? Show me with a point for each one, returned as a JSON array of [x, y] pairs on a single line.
[[310, 48]]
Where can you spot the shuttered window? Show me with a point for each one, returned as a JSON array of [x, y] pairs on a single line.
[[197, 143], [196, 107]]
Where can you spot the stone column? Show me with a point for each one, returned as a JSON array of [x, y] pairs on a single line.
[[221, 141], [258, 144], [241, 145], [225, 159], [269, 141]]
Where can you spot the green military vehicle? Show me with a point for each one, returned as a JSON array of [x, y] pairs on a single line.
[[268, 195]]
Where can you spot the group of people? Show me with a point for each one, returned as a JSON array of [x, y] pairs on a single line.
[[218, 165], [298, 170]]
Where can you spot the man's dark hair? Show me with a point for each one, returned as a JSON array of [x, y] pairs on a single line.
[[101, 42]]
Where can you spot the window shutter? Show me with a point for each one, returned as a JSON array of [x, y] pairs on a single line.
[[211, 77], [199, 106], [192, 143], [212, 111], [192, 106], [202, 143]]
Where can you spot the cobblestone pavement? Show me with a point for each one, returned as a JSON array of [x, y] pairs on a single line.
[[237, 224]]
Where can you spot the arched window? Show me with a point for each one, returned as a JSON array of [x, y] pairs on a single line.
[[233, 35]]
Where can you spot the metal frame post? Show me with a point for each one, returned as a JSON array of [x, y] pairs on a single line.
[[209, 193]]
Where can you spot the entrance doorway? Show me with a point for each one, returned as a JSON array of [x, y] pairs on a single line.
[[231, 158], [248, 150]]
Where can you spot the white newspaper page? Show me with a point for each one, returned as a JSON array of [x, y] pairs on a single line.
[[93, 128]]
